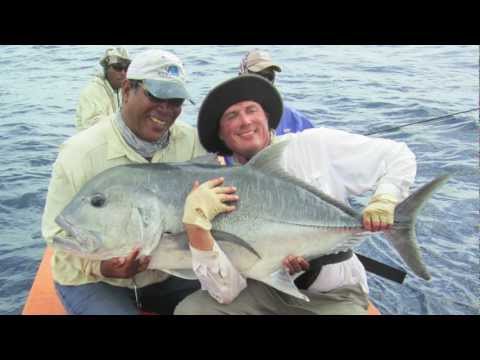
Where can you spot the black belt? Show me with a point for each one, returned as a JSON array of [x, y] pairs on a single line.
[[305, 280], [381, 269]]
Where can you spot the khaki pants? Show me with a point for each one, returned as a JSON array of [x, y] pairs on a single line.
[[260, 299]]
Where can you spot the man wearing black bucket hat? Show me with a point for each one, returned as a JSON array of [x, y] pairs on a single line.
[[237, 118]]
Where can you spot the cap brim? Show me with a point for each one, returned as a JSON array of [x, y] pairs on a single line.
[[166, 89], [241, 88], [262, 65]]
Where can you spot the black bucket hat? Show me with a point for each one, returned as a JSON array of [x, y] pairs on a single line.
[[241, 88]]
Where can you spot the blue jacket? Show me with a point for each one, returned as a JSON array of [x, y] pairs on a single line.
[[292, 121]]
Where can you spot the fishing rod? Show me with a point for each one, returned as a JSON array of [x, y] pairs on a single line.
[[420, 122]]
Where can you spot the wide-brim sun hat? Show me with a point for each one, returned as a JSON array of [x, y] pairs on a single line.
[[248, 87]]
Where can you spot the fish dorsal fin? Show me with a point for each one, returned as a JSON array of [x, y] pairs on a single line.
[[268, 161]]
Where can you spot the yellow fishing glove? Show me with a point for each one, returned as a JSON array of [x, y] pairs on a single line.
[[203, 204], [380, 209]]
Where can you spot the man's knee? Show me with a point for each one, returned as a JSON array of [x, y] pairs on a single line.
[[96, 299]]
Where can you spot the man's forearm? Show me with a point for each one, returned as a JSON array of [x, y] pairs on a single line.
[[199, 238], [213, 268]]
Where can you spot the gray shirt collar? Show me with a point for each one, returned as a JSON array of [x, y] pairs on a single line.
[[145, 148]]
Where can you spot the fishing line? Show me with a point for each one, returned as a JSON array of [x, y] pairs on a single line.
[[419, 122]]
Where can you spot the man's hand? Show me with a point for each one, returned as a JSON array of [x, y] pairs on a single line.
[[207, 201], [124, 268], [379, 213], [295, 264]]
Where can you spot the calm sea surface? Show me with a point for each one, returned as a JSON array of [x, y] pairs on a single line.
[[355, 88]]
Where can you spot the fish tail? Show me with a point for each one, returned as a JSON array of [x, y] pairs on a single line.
[[402, 235]]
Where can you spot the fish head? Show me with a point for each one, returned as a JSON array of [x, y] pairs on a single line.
[[109, 219]]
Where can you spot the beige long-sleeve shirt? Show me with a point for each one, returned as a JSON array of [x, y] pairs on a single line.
[[82, 157], [97, 101]]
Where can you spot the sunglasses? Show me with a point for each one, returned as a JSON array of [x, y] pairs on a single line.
[[119, 67], [156, 100]]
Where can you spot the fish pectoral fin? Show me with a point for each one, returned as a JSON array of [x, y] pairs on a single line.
[[224, 237], [180, 241], [187, 274], [283, 281]]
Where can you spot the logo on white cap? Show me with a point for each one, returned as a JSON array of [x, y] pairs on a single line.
[[173, 70]]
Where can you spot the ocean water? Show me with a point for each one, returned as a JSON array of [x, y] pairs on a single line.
[[355, 88]]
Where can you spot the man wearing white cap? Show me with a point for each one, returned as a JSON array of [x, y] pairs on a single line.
[[260, 62], [102, 96], [145, 130]]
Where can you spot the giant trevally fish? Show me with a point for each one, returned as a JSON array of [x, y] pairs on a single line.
[[277, 215]]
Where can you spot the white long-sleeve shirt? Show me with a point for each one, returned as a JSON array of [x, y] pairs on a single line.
[[339, 164]]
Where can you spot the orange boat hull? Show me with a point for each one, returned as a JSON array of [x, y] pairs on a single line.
[[43, 299]]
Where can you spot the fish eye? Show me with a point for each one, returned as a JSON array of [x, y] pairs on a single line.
[[97, 200]]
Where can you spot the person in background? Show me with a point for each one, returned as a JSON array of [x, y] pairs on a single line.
[[145, 130], [260, 63], [102, 96]]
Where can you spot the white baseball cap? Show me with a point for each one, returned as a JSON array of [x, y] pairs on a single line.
[[162, 73]]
